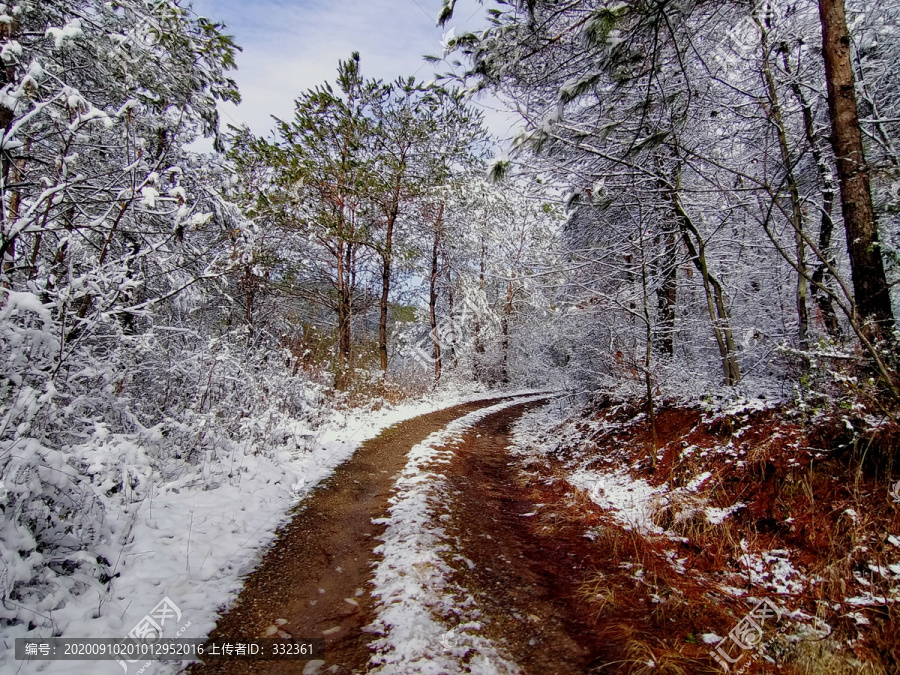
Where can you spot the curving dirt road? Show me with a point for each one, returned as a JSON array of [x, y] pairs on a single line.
[[523, 577]]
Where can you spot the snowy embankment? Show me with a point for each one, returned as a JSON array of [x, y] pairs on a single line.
[[193, 538], [629, 501], [693, 525], [428, 623], [633, 503]]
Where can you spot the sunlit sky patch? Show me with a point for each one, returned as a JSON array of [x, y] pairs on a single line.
[[290, 46]]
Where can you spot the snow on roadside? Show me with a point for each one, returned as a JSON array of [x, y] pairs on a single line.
[[192, 539], [416, 599], [631, 502], [563, 439]]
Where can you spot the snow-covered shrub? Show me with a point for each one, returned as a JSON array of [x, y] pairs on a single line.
[[105, 224]]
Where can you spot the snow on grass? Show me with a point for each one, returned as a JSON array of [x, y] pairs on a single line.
[[631, 502], [773, 571], [566, 440], [427, 623], [717, 516], [698, 481], [193, 538], [538, 432], [867, 599]]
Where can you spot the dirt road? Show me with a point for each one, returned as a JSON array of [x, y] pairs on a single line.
[[524, 577]]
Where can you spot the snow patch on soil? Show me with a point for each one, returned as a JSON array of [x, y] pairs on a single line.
[[631, 502], [717, 516], [773, 571]]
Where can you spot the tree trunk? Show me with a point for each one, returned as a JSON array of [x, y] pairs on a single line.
[[385, 292], [796, 217], [648, 354], [344, 258], [715, 294], [667, 294], [8, 250], [826, 226], [432, 293], [870, 288], [386, 259], [479, 344], [507, 315], [347, 328]]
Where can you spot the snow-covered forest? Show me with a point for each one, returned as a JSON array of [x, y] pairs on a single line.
[[692, 235]]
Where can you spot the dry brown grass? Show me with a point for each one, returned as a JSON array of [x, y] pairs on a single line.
[[646, 657], [821, 658], [600, 593]]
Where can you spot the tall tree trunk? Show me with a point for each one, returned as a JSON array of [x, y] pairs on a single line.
[[715, 294], [870, 288], [432, 293], [504, 326], [8, 250], [648, 354], [479, 344], [386, 259], [344, 258], [9, 32], [667, 294], [796, 218], [349, 284], [385, 293], [826, 226]]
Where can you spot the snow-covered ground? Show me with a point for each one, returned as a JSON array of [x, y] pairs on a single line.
[[631, 502], [192, 539], [428, 624]]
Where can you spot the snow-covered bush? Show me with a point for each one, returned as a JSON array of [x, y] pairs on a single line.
[[111, 236]]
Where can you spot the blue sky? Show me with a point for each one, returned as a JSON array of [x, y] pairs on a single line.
[[290, 46]]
